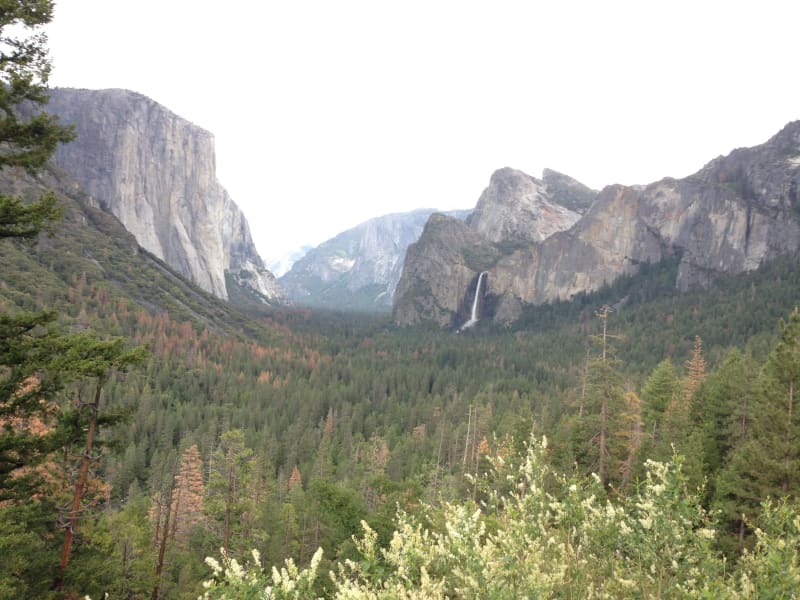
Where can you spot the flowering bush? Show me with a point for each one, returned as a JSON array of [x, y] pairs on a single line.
[[551, 536], [231, 580]]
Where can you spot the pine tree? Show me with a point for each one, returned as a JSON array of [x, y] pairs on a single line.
[[658, 392], [187, 496], [97, 360], [598, 435], [695, 371], [605, 415], [323, 467], [26, 339], [724, 411], [782, 374], [228, 484], [26, 142], [132, 549], [632, 436], [29, 347], [295, 479], [767, 462]]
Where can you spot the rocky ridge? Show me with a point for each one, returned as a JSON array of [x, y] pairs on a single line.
[[359, 268], [517, 207], [156, 172], [736, 213], [441, 270]]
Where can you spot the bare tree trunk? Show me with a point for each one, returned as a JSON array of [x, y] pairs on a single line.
[[786, 458], [583, 384], [435, 491], [228, 502], [162, 547], [601, 467], [80, 487], [466, 440], [303, 538], [741, 534], [177, 512], [157, 533], [475, 435]]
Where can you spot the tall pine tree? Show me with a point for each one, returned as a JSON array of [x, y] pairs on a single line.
[[767, 462]]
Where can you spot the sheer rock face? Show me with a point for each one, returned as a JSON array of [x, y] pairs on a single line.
[[736, 213], [438, 270], [517, 207], [360, 267], [156, 173]]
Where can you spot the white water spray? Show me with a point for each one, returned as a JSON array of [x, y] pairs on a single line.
[[473, 317]]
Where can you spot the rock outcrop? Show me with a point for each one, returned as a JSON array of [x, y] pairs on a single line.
[[517, 207], [438, 270], [359, 268], [156, 172], [568, 192], [736, 213]]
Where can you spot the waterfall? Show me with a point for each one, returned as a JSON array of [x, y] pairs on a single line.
[[473, 317]]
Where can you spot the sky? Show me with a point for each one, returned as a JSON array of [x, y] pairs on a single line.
[[326, 114]]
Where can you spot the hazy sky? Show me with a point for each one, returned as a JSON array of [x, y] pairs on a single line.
[[329, 113]]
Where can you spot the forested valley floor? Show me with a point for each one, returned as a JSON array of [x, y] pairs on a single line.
[[545, 459]]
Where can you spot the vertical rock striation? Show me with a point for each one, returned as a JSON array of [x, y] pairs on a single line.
[[156, 172], [513, 213], [735, 214]]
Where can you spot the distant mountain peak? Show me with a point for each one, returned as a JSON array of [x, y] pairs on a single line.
[[359, 268]]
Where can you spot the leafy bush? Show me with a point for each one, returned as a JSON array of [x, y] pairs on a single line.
[[551, 536]]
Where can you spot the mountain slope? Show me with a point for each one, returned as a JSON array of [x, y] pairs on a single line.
[[91, 259], [156, 173], [732, 216], [359, 268]]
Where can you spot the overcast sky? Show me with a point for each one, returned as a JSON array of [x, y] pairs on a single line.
[[329, 113]]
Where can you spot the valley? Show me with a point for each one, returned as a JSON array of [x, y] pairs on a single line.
[[562, 392]]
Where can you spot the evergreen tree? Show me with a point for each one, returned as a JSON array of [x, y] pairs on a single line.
[[599, 434], [661, 387], [29, 382], [187, 496], [605, 419], [724, 409], [26, 339], [88, 358], [228, 485], [695, 371], [767, 463], [26, 142], [131, 549], [632, 436]]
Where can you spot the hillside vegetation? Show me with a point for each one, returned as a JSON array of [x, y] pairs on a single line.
[[633, 442], [281, 432]]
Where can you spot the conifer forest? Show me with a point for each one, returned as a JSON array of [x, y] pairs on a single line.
[[156, 442]]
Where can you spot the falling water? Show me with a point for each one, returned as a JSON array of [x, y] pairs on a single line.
[[473, 317]]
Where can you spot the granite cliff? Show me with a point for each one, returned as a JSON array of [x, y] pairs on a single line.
[[359, 268], [517, 208], [156, 173], [735, 214]]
